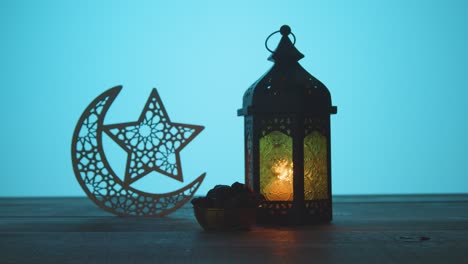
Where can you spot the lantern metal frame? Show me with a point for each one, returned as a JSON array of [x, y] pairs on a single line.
[[290, 100]]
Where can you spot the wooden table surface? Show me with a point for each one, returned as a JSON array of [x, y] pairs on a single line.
[[365, 229]]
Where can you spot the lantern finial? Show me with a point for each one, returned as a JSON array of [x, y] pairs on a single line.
[[286, 51], [285, 30]]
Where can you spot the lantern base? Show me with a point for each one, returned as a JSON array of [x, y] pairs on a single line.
[[287, 213]]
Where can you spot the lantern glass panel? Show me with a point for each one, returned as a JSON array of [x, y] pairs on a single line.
[[315, 166], [276, 166]]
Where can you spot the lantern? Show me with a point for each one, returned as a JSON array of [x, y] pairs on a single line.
[[287, 140]]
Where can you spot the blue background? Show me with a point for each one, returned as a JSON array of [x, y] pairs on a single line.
[[397, 71]]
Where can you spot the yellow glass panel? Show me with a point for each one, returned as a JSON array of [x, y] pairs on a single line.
[[276, 167], [315, 167]]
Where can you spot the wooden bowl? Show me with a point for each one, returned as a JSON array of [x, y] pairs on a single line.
[[219, 219]]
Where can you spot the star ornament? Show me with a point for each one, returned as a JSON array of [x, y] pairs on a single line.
[[153, 143]]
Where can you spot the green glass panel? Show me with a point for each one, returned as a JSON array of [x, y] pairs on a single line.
[[315, 167], [276, 167]]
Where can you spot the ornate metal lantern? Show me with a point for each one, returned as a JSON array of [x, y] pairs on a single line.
[[287, 140]]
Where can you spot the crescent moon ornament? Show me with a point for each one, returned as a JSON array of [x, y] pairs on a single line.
[[153, 143]]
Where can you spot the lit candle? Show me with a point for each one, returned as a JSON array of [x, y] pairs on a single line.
[[281, 188]]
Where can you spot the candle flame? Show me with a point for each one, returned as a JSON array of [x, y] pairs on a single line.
[[283, 170]]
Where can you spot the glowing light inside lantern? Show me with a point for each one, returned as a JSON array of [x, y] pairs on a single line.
[[281, 187], [283, 170], [276, 167]]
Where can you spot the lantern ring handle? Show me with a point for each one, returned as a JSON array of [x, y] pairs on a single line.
[[278, 31]]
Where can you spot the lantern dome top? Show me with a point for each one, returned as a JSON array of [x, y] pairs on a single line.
[[286, 51], [287, 87]]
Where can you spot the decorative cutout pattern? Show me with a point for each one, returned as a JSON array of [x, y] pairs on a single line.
[[279, 211], [153, 142], [99, 181], [249, 151], [281, 124], [312, 124], [322, 209]]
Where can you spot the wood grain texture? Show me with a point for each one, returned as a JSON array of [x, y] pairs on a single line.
[[365, 229]]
